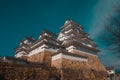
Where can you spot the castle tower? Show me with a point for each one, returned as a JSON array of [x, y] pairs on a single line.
[[42, 49], [23, 49], [78, 55], [73, 37]]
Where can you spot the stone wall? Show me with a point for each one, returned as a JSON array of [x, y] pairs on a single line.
[[43, 57], [57, 63], [73, 70], [36, 57], [79, 70], [28, 72], [47, 57], [93, 61], [68, 69]]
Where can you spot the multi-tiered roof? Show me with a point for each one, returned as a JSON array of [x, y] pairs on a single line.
[[24, 46], [47, 40], [72, 35]]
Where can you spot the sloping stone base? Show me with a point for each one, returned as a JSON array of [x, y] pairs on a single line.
[[72, 70], [27, 72]]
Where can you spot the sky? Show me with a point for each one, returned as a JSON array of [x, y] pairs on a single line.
[[22, 18]]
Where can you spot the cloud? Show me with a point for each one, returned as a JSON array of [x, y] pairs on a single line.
[[101, 12]]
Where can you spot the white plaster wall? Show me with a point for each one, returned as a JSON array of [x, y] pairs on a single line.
[[20, 54], [60, 55], [41, 48], [73, 48]]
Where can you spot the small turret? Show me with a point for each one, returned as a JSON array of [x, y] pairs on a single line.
[[24, 46], [47, 40]]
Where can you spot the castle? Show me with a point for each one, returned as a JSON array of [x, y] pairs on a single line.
[[71, 51]]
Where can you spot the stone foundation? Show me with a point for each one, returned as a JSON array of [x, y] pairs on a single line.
[[73, 70], [38, 58], [57, 63], [79, 70], [44, 57], [27, 72], [92, 60]]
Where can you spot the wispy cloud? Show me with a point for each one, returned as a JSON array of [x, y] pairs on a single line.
[[102, 10]]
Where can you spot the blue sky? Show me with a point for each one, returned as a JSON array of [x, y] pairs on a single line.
[[21, 18]]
